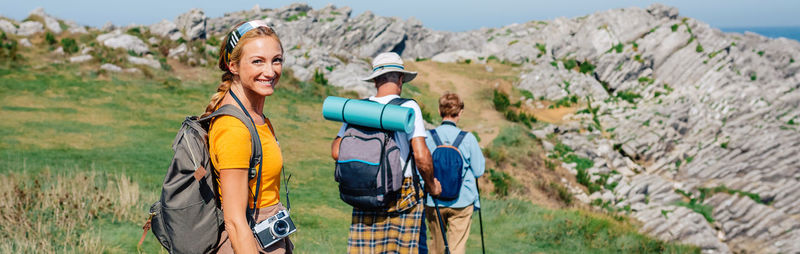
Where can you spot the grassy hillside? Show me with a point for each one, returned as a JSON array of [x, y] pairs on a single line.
[[83, 154]]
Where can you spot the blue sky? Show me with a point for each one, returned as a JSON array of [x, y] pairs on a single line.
[[450, 15]]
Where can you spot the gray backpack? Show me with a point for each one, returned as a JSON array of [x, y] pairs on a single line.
[[188, 218], [368, 168]]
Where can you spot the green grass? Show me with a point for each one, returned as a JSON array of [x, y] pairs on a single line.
[[526, 228], [76, 121]]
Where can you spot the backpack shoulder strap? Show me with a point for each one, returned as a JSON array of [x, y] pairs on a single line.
[[415, 178], [459, 138], [435, 137], [231, 110], [399, 101]]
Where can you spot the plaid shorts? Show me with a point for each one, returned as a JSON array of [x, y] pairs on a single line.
[[395, 230]]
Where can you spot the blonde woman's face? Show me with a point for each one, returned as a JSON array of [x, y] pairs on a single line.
[[260, 67]]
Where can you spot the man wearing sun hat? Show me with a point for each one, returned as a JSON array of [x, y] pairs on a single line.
[[396, 230]]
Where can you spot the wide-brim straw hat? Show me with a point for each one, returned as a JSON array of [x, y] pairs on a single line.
[[389, 62]]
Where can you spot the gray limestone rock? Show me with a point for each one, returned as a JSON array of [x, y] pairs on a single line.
[[80, 58], [117, 39], [50, 22], [7, 27], [456, 56], [178, 51], [74, 28], [165, 28], [663, 11], [147, 61], [193, 24], [29, 28], [25, 42], [110, 67], [108, 27], [349, 78]]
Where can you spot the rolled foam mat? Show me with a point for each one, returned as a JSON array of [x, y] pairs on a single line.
[[368, 113]]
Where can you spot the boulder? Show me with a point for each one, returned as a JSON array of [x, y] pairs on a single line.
[[119, 40], [74, 28], [148, 61], [178, 51], [29, 28], [214, 50], [80, 58], [165, 28], [193, 24], [349, 78], [456, 56], [7, 27], [110, 67], [662, 11], [51, 22], [25, 42], [108, 27]]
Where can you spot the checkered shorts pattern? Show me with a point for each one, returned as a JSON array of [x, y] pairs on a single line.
[[393, 231]]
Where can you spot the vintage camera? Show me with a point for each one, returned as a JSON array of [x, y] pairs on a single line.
[[274, 228]]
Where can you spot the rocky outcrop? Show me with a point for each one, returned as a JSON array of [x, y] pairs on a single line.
[[193, 24], [29, 28], [50, 22], [166, 29], [690, 121], [178, 51], [119, 40], [74, 28], [7, 27]]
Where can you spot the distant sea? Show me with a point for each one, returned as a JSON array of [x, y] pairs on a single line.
[[790, 32]]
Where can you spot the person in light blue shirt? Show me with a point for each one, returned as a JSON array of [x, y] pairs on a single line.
[[457, 214]]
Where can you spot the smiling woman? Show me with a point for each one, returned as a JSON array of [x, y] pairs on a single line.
[[252, 61]]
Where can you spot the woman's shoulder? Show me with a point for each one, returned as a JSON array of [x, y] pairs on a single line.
[[226, 122]]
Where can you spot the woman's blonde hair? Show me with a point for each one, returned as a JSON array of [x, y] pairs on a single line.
[[450, 105], [234, 57]]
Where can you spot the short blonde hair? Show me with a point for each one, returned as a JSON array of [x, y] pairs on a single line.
[[450, 105]]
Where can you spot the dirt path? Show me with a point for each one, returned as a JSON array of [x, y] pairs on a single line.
[[476, 91], [475, 85]]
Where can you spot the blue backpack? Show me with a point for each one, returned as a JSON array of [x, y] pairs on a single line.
[[448, 165]]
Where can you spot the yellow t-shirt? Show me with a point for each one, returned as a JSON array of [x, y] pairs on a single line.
[[230, 148]]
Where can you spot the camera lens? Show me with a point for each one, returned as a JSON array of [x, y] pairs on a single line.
[[280, 228]]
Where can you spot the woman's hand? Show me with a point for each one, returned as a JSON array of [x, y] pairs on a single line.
[[235, 194]]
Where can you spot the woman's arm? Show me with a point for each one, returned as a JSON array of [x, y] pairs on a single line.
[[235, 194]]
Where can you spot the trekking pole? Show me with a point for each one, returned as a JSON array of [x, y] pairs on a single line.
[[480, 217], [441, 225]]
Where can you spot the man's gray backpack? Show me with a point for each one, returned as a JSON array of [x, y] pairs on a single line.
[[368, 168], [187, 218]]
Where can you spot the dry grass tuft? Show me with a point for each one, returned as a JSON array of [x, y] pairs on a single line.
[[48, 213]]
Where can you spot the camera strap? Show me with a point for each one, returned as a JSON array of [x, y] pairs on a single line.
[[252, 211]]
